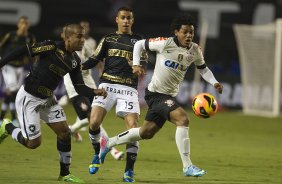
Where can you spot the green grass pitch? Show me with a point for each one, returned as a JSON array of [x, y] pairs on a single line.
[[233, 148]]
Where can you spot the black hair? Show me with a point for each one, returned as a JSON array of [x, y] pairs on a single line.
[[124, 8], [182, 19]]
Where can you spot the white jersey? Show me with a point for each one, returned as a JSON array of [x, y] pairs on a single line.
[[87, 51], [172, 62]]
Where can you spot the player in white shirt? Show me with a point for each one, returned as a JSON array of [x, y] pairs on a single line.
[[173, 57], [82, 104]]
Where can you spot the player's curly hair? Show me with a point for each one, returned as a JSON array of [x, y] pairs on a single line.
[[182, 19]]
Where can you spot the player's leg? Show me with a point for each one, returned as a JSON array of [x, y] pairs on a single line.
[[30, 134], [4, 105], [82, 107], [100, 107], [12, 105], [56, 120], [131, 149], [180, 118], [10, 79], [116, 154]]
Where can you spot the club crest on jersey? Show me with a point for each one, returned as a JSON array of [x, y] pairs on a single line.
[[169, 102], [133, 41], [74, 63]]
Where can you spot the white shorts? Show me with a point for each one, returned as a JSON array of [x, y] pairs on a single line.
[[13, 77], [30, 119], [125, 98]]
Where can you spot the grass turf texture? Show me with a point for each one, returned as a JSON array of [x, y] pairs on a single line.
[[233, 148]]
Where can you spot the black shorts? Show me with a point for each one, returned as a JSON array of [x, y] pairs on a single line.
[[160, 105], [82, 106]]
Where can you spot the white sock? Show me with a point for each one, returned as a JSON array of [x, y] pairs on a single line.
[[128, 136], [78, 124], [15, 133], [183, 144], [103, 131]]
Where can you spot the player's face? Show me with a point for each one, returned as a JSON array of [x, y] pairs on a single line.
[[86, 27], [124, 21], [23, 25], [185, 35], [76, 40]]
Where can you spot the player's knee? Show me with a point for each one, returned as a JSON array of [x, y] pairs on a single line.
[[147, 135], [65, 134], [33, 144], [183, 121]]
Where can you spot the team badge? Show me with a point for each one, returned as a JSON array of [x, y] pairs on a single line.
[[169, 102], [74, 63], [133, 41], [32, 128], [83, 106]]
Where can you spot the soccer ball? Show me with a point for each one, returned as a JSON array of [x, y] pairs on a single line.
[[204, 105]]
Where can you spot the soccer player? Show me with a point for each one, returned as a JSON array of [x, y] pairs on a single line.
[[118, 80], [35, 99], [82, 104], [13, 73], [173, 57]]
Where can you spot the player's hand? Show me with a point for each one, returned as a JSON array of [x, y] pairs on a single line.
[[101, 92], [138, 70], [218, 87]]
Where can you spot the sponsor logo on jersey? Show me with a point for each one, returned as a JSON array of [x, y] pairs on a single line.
[[174, 65], [157, 39], [119, 91]]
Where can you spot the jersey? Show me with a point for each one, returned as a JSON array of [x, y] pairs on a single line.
[[87, 51], [48, 71], [11, 41], [117, 50], [172, 62]]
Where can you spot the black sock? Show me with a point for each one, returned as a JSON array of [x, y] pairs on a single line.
[[130, 161], [10, 127], [65, 169], [64, 148]]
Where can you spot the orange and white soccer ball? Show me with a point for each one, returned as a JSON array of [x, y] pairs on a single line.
[[204, 105]]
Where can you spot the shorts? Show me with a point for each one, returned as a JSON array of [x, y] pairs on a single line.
[[13, 77], [29, 117], [125, 98], [82, 106], [160, 105]]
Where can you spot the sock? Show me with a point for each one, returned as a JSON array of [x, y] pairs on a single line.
[[18, 136], [78, 124], [128, 136], [183, 145], [95, 139], [64, 149], [131, 155], [103, 131]]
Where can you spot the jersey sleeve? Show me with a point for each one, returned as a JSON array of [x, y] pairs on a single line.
[[100, 51], [156, 44], [199, 58], [41, 47], [78, 82]]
